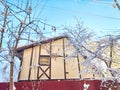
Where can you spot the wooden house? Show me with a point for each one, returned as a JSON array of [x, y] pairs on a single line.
[[51, 59]]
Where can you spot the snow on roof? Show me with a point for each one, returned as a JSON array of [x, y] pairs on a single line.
[[19, 49]]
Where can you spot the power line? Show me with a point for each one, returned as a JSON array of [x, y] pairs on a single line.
[[42, 8], [102, 3], [85, 13]]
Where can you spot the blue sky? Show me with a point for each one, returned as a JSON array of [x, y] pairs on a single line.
[[98, 15]]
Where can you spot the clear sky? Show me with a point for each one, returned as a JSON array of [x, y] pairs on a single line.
[[98, 15]]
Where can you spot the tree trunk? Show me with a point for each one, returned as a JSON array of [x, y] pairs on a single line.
[[11, 74]]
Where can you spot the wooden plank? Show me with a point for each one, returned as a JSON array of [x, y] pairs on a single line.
[[57, 47], [30, 64], [38, 62], [44, 72], [57, 68], [57, 63], [25, 64], [45, 49], [72, 68], [64, 58], [34, 64], [50, 59]]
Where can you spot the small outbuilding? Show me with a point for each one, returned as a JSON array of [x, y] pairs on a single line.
[[51, 59]]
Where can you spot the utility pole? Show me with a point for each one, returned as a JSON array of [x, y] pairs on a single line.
[[117, 4]]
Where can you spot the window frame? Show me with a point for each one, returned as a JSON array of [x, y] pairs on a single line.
[[47, 58]]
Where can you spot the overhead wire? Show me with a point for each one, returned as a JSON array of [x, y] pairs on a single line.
[[86, 13], [72, 11], [41, 20], [102, 3], [43, 7]]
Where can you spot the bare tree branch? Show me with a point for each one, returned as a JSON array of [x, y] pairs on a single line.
[[116, 2], [3, 26]]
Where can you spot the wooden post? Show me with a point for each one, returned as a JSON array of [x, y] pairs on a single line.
[[64, 59], [50, 59]]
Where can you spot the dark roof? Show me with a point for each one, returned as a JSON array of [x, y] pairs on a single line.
[[19, 49]]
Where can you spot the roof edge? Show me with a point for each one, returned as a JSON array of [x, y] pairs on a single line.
[[21, 48]]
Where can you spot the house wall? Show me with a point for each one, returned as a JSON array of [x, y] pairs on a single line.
[[34, 63], [114, 55], [24, 71], [57, 68], [63, 64]]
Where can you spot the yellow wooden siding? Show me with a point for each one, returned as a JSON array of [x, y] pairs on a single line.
[[116, 57], [45, 49], [24, 74], [72, 70], [57, 68], [34, 65], [57, 62], [57, 47]]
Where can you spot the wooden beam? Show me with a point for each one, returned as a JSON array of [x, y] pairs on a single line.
[[38, 62], [64, 58], [44, 72], [50, 58]]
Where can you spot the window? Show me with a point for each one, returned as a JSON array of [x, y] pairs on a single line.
[[44, 60]]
